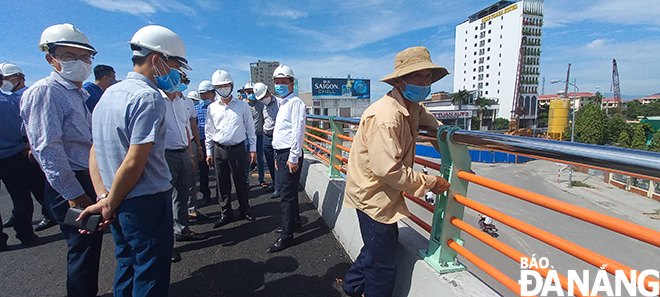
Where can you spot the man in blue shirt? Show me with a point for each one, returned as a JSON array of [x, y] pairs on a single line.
[[206, 96], [104, 77], [58, 127], [14, 170], [129, 168]]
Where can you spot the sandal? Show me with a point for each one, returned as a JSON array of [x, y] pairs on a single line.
[[264, 185]]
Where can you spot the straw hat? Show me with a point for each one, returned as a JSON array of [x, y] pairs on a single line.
[[414, 59]]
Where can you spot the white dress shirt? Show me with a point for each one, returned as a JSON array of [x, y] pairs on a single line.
[[290, 126], [177, 119], [228, 124]]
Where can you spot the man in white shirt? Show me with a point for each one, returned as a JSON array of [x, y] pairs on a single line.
[[287, 141], [228, 120], [180, 161]]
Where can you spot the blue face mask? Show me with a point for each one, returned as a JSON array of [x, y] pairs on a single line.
[[416, 93], [282, 90], [207, 102], [168, 82], [251, 97], [182, 87]]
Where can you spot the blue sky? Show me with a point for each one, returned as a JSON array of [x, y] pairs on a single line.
[[333, 38]]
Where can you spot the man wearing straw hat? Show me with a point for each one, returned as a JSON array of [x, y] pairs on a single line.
[[380, 169]]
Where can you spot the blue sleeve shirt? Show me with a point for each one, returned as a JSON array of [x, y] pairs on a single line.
[[95, 93], [132, 112], [11, 127]]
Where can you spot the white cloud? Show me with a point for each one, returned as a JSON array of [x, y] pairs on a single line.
[[597, 44], [287, 13], [632, 12], [138, 7]]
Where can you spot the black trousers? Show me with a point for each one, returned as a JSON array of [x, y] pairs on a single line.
[[231, 161], [37, 183], [203, 174], [84, 249], [16, 176], [289, 192]]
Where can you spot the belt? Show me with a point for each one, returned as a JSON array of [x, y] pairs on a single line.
[[286, 150], [269, 133], [181, 150], [230, 147]]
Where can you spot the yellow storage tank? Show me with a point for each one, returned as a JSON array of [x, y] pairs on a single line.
[[558, 118]]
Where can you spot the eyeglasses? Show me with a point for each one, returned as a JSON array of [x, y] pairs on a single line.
[[67, 57]]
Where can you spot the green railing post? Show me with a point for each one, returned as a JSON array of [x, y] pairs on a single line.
[[336, 130], [454, 158]]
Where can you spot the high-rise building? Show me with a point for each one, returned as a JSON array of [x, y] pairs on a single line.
[[497, 54], [262, 71]]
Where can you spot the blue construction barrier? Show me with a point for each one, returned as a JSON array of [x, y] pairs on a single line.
[[476, 155]]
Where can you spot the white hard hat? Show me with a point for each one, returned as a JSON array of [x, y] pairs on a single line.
[[248, 85], [488, 221], [260, 90], [283, 71], [205, 86], [8, 69], [221, 77], [193, 95], [64, 34], [155, 38]]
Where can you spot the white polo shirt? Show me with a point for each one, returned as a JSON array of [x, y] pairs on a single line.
[[177, 120]]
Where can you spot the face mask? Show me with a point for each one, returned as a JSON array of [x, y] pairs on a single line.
[[266, 101], [114, 81], [282, 90], [223, 92], [207, 102], [182, 87], [75, 70], [416, 93], [167, 82], [7, 86], [251, 97]]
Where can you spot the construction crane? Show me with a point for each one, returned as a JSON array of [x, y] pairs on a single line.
[[615, 86]]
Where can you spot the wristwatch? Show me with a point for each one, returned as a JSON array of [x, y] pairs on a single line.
[[102, 196]]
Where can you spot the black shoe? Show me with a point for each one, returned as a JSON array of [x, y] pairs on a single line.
[[296, 228], [45, 224], [280, 244], [9, 223], [247, 216], [354, 294], [206, 200], [30, 240], [4, 247], [275, 195], [192, 236], [176, 256], [224, 220], [198, 216]]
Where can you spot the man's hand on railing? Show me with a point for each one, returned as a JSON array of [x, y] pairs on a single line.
[[441, 185]]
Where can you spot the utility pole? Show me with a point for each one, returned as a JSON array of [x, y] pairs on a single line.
[[543, 87], [568, 74]]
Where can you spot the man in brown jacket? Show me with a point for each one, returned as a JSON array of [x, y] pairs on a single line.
[[380, 169]]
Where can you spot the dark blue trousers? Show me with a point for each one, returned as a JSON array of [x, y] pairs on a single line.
[[269, 153], [84, 250], [143, 245], [14, 173], [289, 193], [374, 271]]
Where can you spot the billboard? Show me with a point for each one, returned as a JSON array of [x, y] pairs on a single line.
[[341, 88]]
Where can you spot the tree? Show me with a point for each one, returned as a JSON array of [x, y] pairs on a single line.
[[501, 124], [482, 106], [589, 124], [598, 100], [476, 123], [624, 139], [633, 109], [460, 98], [613, 128], [543, 115], [638, 141], [655, 142]]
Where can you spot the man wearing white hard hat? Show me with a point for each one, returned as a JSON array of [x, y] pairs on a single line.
[[206, 94], [271, 107], [14, 85], [380, 169], [58, 127], [228, 121], [288, 135], [257, 109], [128, 163]]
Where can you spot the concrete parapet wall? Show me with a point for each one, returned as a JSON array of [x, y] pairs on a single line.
[[415, 277]]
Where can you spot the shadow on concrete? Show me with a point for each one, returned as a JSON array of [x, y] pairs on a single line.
[[244, 277]]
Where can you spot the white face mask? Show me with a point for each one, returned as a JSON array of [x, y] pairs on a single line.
[[266, 100], [77, 70], [223, 92], [7, 86]]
